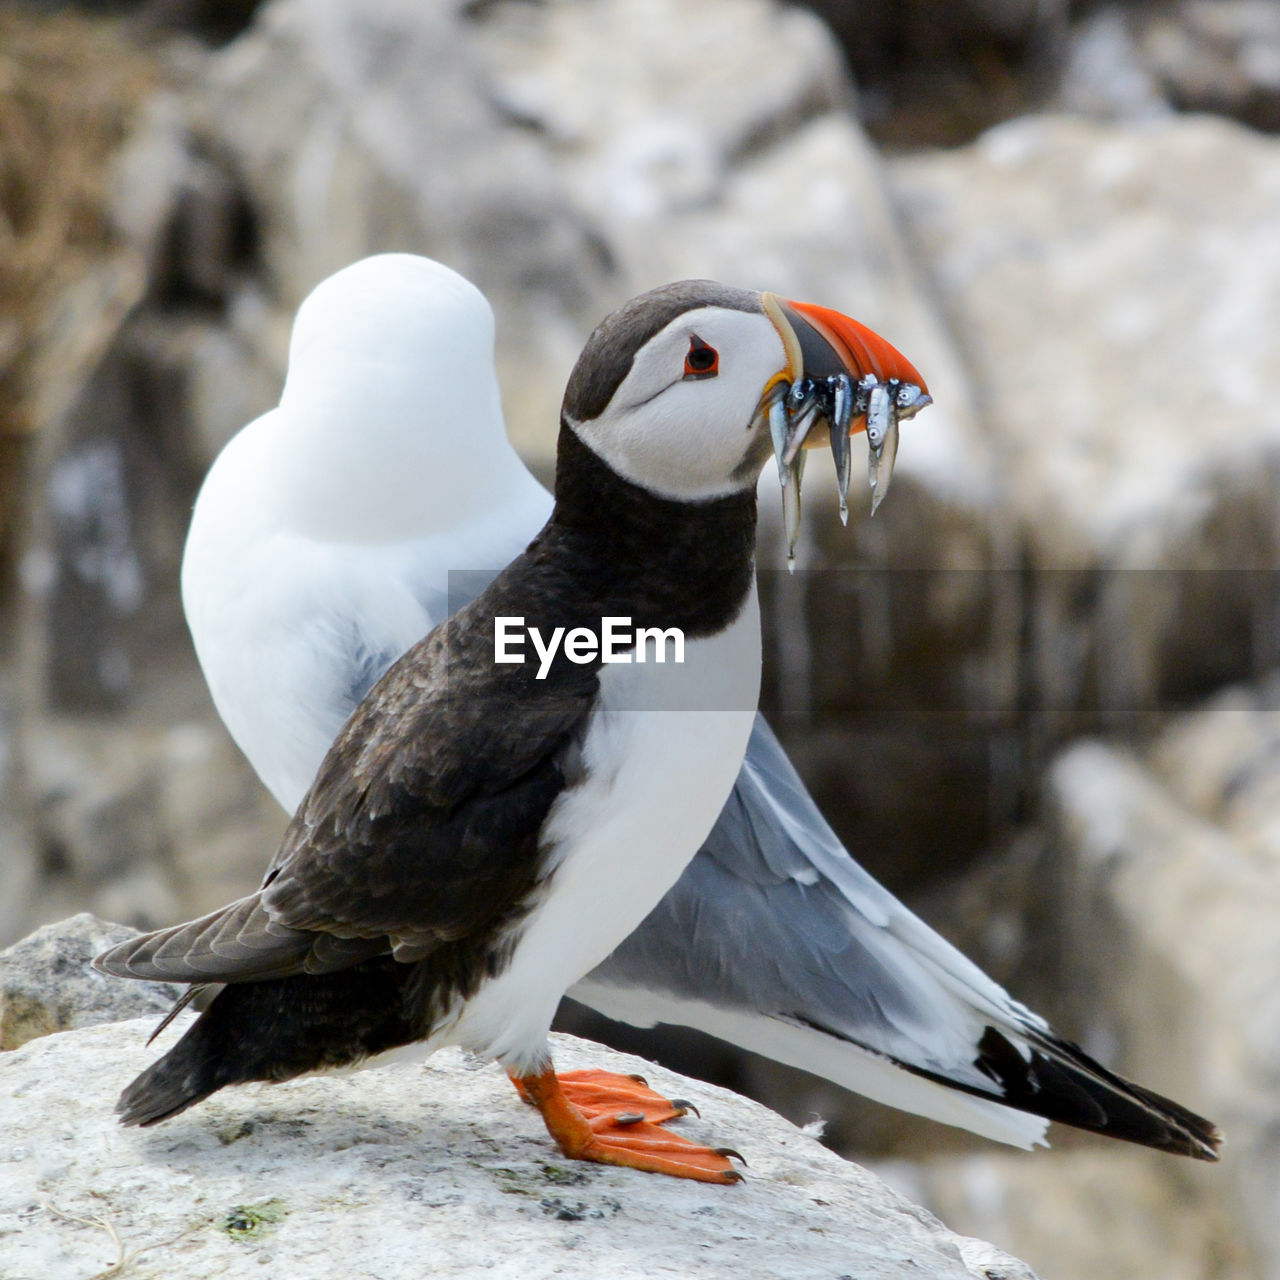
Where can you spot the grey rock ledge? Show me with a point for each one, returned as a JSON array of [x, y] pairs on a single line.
[[425, 1168]]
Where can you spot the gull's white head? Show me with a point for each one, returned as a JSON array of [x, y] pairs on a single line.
[[390, 422]]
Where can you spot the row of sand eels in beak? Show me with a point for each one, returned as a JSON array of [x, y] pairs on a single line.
[[795, 408]]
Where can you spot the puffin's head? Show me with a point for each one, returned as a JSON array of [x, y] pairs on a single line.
[[674, 389]]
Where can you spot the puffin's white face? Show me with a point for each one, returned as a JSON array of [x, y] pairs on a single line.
[[683, 422], [676, 390]]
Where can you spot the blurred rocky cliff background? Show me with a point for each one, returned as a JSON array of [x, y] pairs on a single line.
[[1039, 695]]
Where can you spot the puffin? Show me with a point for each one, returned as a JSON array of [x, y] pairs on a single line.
[[482, 832], [320, 550]]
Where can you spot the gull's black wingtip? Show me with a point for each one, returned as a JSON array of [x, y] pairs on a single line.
[[1186, 1133], [1056, 1079]]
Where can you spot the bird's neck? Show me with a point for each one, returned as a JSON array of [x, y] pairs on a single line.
[[659, 561]]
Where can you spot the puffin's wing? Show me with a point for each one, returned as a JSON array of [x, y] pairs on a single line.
[[422, 827], [789, 948], [237, 943]]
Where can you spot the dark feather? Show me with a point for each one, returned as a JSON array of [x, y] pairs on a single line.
[[275, 1030], [1061, 1082], [189, 996], [611, 349]]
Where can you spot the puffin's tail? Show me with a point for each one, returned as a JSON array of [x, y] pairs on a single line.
[[190, 1071], [295, 1001], [274, 1030]]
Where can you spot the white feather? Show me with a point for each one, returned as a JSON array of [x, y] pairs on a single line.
[[836, 1060], [325, 532]]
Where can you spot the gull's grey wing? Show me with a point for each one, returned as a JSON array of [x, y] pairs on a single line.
[[364, 657], [774, 938], [361, 657], [776, 918]]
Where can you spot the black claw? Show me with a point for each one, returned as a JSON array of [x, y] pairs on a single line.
[[683, 1104], [629, 1117], [729, 1151], [732, 1175], [639, 1080]]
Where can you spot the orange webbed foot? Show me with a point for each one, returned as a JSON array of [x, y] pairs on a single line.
[[627, 1100], [636, 1143]]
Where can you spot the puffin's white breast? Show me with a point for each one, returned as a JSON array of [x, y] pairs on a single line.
[[660, 756]]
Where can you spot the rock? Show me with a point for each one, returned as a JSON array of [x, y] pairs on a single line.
[[1089, 269], [69, 94], [19, 872], [212, 20], [933, 73], [1104, 73], [1120, 319], [1135, 62], [1221, 761], [1171, 893], [106, 695], [19, 876], [101, 546], [438, 1163], [1076, 1213], [47, 984], [106, 685], [1222, 56], [578, 156], [1141, 918], [147, 822], [1085, 267]]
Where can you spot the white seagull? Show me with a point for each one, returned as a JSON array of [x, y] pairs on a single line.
[[320, 551]]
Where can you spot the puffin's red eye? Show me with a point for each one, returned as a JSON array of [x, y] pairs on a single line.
[[702, 361]]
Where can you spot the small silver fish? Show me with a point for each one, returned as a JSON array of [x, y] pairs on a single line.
[[791, 508], [842, 399], [794, 410]]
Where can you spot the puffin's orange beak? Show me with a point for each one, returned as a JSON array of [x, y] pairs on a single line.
[[839, 371], [821, 342]]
